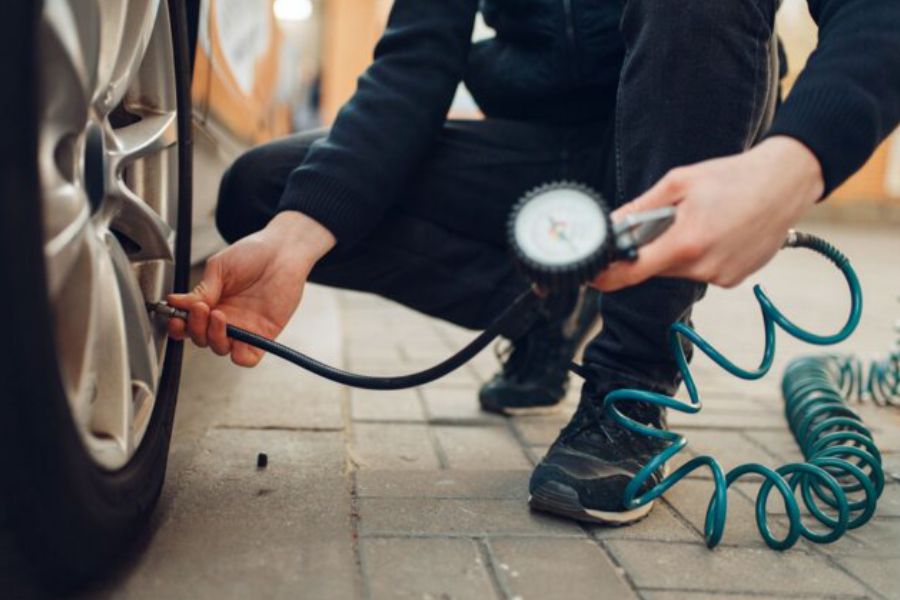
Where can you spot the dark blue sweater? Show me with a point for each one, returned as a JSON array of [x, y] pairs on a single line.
[[846, 101]]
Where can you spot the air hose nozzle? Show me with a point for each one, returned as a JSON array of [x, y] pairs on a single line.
[[164, 309]]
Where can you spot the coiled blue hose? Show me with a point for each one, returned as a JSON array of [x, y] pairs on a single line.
[[842, 469], [876, 380]]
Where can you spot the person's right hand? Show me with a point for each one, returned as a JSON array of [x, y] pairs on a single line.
[[255, 284]]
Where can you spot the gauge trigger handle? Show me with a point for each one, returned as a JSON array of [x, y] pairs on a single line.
[[638, 229]]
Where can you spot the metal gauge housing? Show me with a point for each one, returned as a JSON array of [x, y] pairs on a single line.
[[561, 235]]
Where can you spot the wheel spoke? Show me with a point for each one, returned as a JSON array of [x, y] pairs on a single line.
[[125, 35], [139, 336], [109, 432], [152, 134], [70, 55], [75, 311], [66, 226], [131, 216]]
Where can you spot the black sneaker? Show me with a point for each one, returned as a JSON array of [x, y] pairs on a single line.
[[535, 372], [588, 467]]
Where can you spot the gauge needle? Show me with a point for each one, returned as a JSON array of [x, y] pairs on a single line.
[[559, 228]]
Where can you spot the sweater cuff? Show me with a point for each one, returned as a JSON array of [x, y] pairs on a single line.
[[329, 202], [833, 126]]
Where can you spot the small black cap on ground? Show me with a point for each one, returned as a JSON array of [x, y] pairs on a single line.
[[262, 460]]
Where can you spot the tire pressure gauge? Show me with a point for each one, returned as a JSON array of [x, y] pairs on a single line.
[[561, 235]]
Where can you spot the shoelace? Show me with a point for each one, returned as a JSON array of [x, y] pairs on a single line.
[[588, 414]]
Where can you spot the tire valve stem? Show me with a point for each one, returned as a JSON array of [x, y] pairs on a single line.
[[170, 312]]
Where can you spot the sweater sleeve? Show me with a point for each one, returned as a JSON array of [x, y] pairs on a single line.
[[847, 99], [351, 177]]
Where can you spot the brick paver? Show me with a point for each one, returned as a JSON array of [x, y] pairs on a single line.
[[455, 406], [880, 573], [393, 446], [373, 405], [227, 545], [663, 524], [530, 568], [686, 567], [484, 485], [482, 448], [426, 568], [457, 517], [691, 497]]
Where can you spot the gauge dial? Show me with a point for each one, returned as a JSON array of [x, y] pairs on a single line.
[[560, 232]]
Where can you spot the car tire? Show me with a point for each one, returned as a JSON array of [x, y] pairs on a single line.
[[73, 519]]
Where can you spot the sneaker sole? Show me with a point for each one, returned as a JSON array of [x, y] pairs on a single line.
[[560, 499], [521, 411], [532, 411]]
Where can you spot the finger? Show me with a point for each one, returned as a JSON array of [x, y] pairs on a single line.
[[216, 335], [209, 290], [198, 323], [704, 268], [724, 271], [655, 259], [176, 329], [667, 191], [182, 301], [245, 355]]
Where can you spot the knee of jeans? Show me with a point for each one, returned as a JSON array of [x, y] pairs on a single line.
[[225, 208], [687, 18], [236, 192]]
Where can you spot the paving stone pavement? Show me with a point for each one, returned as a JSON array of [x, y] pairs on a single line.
[[441, 488], [418, 494]]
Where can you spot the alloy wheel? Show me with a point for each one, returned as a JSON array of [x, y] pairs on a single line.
[[107, 159]]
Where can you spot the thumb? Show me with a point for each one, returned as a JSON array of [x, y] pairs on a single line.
[[208, 291], [667, 191]]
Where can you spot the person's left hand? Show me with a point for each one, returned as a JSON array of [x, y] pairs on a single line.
[[733, 215]]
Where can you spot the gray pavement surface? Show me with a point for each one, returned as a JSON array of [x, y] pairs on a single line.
[[418, 494]]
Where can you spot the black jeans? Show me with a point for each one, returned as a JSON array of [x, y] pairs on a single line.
[[697, 82]]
